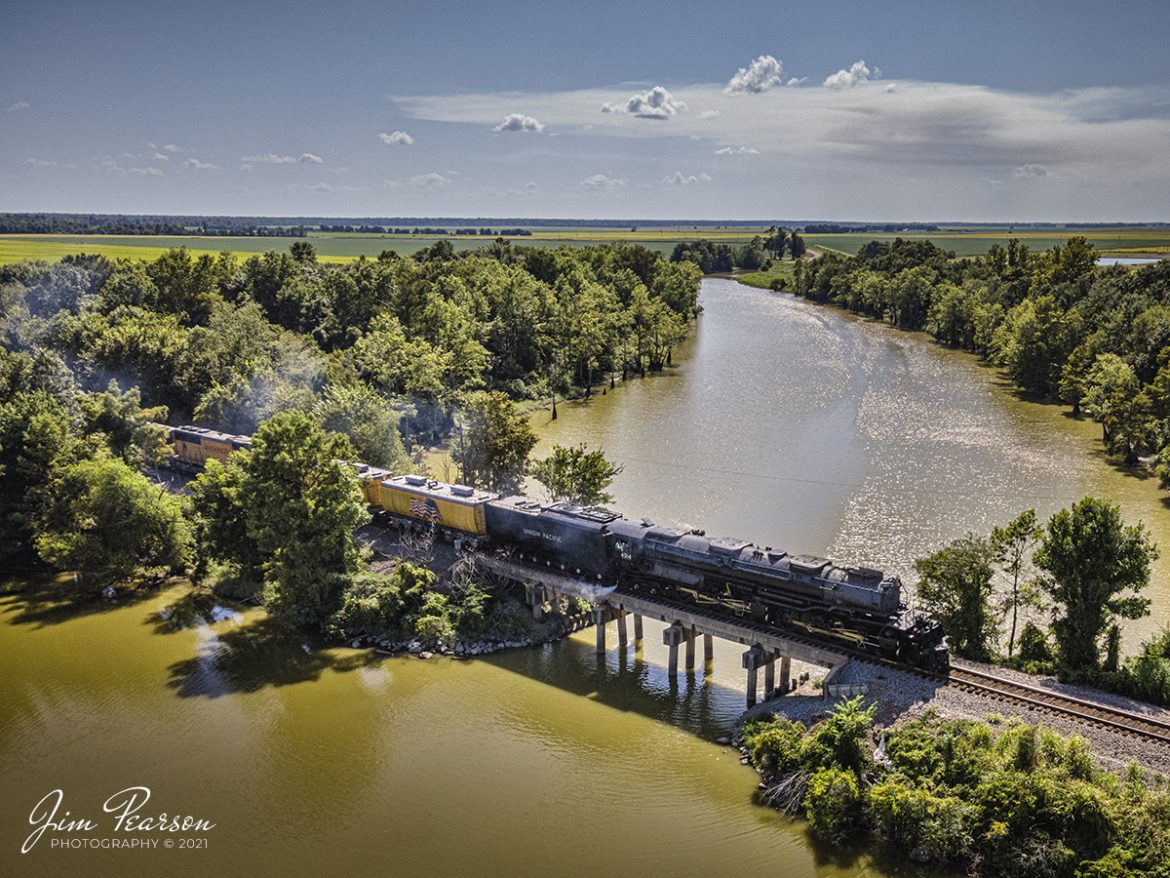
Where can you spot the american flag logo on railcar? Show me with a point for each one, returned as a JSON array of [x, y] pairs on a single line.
[[427, 508]]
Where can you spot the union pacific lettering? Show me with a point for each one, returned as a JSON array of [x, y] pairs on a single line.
[[552, 538]]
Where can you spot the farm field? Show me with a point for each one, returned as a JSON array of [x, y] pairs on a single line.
[[346, 246], [976, 241]]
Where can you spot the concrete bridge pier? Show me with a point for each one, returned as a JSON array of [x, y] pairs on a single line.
[[637, 628], [534, 595], [769, 677], [753, 660], [672, 637], [623, 637], [599, 624], [689, 634], [785, 675], [708, 650]]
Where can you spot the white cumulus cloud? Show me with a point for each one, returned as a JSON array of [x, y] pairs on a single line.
[[737, 150], [519, 122], [159, 157], [399, 138], [678, 178], [657, 103], [796, 80], [197, 165], [600, 182], [763, 73], [855, 75], [309, 158], [145, 172]]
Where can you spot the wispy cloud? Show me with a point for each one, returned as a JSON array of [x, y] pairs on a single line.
[[736, 150], [309, 158], [763, 73], [40, 163], [1034, 172], [197, 165], [657, 103], [601, 183], [396, 138], [269, 158], [519, 122], [17, 107]]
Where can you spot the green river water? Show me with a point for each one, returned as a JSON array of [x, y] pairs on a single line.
[[790, 424]]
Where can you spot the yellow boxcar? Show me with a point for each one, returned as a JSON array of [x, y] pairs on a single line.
[[454, 506], [197, 445], [371, 480]]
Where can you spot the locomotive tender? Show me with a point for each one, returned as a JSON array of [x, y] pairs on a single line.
[[857, 607]]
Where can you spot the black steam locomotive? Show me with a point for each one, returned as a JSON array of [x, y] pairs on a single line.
[[855, 606]]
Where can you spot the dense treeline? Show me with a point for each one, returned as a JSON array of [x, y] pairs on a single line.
[[117, 224], [857, 228], [376, 351], [227, 343], [988, 799], [283, 226], [1060, 326], [714, 257]]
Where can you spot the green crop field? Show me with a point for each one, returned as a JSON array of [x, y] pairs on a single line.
[[977, 241], [346, 246]]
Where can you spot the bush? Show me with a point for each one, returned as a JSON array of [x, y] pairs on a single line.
[[370, 604], [1034, 645], [917, 821], [776, 748], [833, 804]]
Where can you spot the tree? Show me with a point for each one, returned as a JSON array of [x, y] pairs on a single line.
[[302, 507], [1012, 545], [1117, 401], [357, 412], [576, 475], [1096, 567], [38, 437], [132, 433], [955, 587], [110, 523], [493, 448], [219, 507], [796, 246]]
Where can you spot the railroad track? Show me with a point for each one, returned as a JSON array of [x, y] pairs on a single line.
[[1088, 712]]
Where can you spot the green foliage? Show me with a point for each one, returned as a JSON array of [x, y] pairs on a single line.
[[955, 587], [109, 524], [776, 746], [576, 475], [1096, 567], [922, 822], [492, 452], [833, 804], [131, 432]]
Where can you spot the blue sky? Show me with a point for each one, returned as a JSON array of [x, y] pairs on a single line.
[[881, 111]]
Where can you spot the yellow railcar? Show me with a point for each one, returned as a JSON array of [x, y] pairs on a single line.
[[371, 478], [457, 507], [197, 445]]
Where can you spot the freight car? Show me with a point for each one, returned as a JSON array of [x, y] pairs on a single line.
[[192, 447]]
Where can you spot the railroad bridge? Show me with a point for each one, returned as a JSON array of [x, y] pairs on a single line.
[[767, 646]]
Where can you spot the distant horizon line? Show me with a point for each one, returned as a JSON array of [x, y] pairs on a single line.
[[597, 222]]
